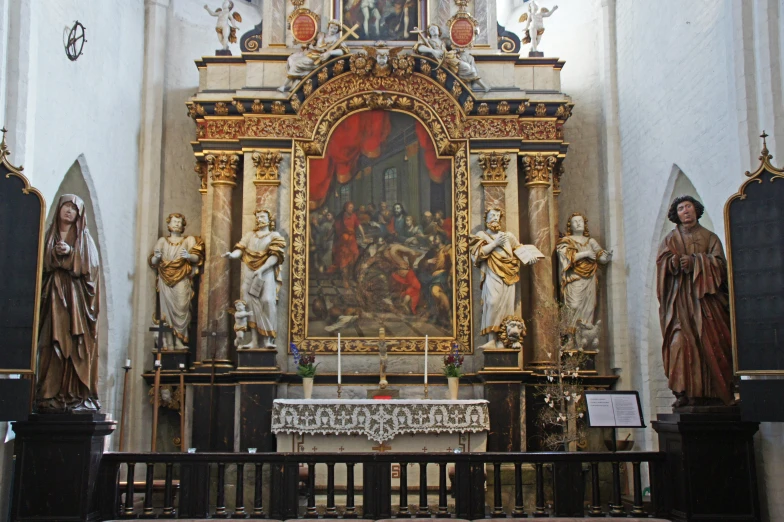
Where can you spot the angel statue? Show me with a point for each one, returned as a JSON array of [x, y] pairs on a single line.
[[459, 61], [431, 43], [325, 46], [534, 24], [226, 25], [382, 59]]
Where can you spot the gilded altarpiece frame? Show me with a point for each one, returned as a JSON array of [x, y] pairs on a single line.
[[363, 94]]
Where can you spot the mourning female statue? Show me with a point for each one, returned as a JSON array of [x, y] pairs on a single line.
[[262, 253], [68, 335], [176, 259], [691, 284], [579, 256]]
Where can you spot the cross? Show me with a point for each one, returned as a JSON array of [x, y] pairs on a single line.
[[381, 447], [161, 327], [383, 344], [424, 450], [343, 38], [341, 449], [212, 336], [314, 449]]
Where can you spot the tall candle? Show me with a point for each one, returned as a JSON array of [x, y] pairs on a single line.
[[339, 369], [426, 359]]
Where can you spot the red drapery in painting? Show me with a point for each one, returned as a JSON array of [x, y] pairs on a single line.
[[363, 134]]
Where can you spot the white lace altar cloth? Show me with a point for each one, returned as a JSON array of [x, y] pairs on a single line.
[[379, 421]]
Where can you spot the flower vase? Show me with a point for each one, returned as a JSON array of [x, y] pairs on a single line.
[[453, 384], [307, 386]]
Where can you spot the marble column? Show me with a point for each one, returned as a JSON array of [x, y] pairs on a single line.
[[538, 173], [558, 171], [204, 283], [222, 168]]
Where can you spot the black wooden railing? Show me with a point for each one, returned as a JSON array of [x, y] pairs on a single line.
[[201, 493]]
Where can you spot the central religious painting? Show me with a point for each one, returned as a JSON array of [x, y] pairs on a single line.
[[381, 238]]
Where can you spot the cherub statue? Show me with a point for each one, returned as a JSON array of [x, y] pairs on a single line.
[[534, 27], [226, 25], [383, 58], [242, 316], [324, 47]]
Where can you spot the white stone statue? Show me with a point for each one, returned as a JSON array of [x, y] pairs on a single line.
[[176, 258], [430, 44], [579, 257], [242, 317], [493, 251], [462, 63], [262, 253], [534, 24], [226, 25], [325, 46]]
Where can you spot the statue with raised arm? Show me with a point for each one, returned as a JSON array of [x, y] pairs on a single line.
[[431, 44], [68, 332], [579, 257], [691, 285], [534, 24], [498, 256], [262, 253], [176, 258], [324, 47], [226, 25]]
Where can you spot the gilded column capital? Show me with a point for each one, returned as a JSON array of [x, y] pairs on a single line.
[[222, 168], [538, 168], [494, 166], [558, 171], [267, 163], [201, 170]]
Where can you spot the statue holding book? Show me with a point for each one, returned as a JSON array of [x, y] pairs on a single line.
[[262, 253], [498, 255]]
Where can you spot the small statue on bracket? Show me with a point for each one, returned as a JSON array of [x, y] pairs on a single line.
[[226, 25], [534, 26], [242, 316]]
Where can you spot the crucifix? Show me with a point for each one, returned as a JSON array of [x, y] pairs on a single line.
[[213, 336], [161, 329], [382, 390]]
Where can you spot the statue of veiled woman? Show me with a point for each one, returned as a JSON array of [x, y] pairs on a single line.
[[68, 334]]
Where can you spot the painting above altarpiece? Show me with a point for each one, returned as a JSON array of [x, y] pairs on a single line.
[[380, 233]]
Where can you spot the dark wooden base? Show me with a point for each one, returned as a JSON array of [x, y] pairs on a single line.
[[257, 359], [503, 358], [57, 459], [711, 474], [227, 52], [171, 360]]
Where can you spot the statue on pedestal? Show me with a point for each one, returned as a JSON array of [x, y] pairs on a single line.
[[226, 24], [579, 256], [242, 317], [459, 61], [498, 255], [176, 258], [262, 253], [325, 46], [68, 334], [534, 27], [691, 284]]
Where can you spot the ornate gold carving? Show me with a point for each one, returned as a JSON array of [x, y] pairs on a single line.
[[541, 109], [425, 67], [223, 129], [192, 111], [483, 109], [278, 108], [428, 114], [456, 90], [222, 168], [297, 3], [403, 66], [239, 106], [503, 108], [563, 112], [494, 167], [538, 168], [339, 67], [221, 109], [522, 107], [295, 103], [559, 171], [307, 88], [257, 107], [267, 163], [468, 105], [275, 127], [360, 63], [441, 76], [323, 76], [201, 170], [538, 130]]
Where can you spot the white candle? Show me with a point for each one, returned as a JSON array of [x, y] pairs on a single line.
[[182, 366], [339, 369], [426, 359], [128, 363]]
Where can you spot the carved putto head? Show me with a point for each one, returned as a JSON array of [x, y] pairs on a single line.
[[570, 226]]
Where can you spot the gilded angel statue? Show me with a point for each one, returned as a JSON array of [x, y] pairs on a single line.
[[534, 24]]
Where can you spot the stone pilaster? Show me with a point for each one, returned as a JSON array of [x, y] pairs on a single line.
[[538, 170], [201, 170], [494, 181], [222, 168], [266, 179], [558, 171]]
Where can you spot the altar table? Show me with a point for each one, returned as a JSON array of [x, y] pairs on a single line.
[[367, 425]]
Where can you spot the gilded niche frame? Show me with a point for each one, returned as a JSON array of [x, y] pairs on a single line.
[[455, 149]]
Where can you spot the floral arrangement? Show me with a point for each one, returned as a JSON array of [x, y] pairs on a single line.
[[453, 362], [305, 363]]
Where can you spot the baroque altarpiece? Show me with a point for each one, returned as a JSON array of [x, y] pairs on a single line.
[[375, 166]]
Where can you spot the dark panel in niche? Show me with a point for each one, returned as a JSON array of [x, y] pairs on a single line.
[[20, 233]]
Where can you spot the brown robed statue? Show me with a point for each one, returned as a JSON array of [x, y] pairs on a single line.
[[691, 284]]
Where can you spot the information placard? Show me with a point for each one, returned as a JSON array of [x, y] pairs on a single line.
[[614, 409]]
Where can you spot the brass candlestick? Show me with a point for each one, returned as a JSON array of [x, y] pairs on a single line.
[[340, 390]]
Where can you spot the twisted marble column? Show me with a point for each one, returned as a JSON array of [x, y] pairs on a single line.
[[538, 174], [222, 168]]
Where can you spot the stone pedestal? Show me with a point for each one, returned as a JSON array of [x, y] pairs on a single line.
[[711, 473], [57, 459], [258, 359]]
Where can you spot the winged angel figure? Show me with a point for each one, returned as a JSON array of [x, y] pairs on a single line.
[[226, 25], [534, 24], [382, 59]]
